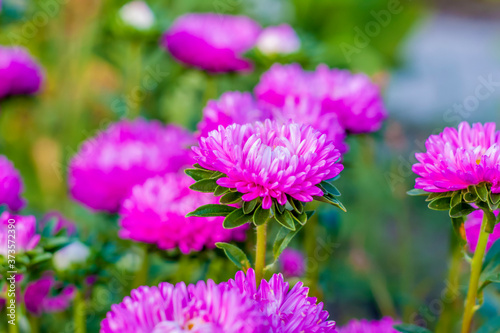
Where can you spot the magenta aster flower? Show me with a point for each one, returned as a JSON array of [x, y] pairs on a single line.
[[38, 298], [280, 39], [292, 263], [352, 97], [456, 159], [11, 185], [288, 311], [20, 73], [232, 107], [212, 42], [385, 325], [473, 228], [155, 213], [200, 308], [269, 160], [25, 232], [106, 168]]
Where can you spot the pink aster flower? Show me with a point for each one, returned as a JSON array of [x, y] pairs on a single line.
[[232, 107], [201, 308], [212, 42], [280, 39], [38, 298], [292, 263], [287, 310], [20, 74], [11, 185], [106, 168], [155, 213], [385, 325], [269, 160], [355, 100], [473, 228], [456, 159], [24, 230]]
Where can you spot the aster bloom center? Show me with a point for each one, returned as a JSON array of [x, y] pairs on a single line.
[[270, 161]]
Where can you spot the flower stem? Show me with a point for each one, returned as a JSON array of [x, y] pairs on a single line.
[[79, 313], [141, 278], [260, 254], [477, 263]]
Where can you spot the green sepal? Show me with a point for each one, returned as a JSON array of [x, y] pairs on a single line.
[[211, 210], [330, 189], [331, 200], [249, 206], [279, 208], [236, 218], [301, 218], [482, 192], [462, 209], [296, 204], [219, 190], [261, 216], [204, 185], [198, 174], [231, 198], [494, 198], [285, 219], [440, 204], [471, 197], [456, 198], [235, 254], [435, 195]]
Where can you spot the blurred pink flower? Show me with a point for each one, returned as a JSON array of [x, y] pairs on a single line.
[[20, 74], [385, 325], [11, 185], [38, 299], [232, 107], [287, 311], [280, 39], [212, 42], [292, 263], [24, 232], [354, 98], [473, 228], [456, 159], [155, 213], [59, 223], [107, 166], [270, 160]]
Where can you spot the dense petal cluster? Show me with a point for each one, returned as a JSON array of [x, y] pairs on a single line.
[[155, 213], [11, 185], [26, 237], [20, 74], [385, 325], [106, 168], [38, 298], [269, 160], [280, 39], [201, 308], [473, 229], [232, 107], [212, 42], [456, 159], [292, 263], [355, 100], [288, 310]]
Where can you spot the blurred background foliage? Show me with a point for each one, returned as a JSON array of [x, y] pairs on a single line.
[[387, 254]]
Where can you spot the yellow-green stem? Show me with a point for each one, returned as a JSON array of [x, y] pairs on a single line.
[[477, 263], [34, 324], [141, 277], [79, 317], [260, 254]]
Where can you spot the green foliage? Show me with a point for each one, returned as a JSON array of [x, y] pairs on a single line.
[[407, 328], [235, 254], [212, 210], [236, 218]]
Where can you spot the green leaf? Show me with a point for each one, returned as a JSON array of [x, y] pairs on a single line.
[[407, 328], [331, 200], [212, 210], [235, 254], [462, 209], [219, 190], [456, 198], [204, 185], [236, 218], [296, 204], [416, 192], [285, 219], [482, 192], [249, 206], [310, 213], [261, 216], [301, 218], [470, 197], [198, 174], [440, 204], [41, 258], [282, 240], [56, 243], [330, 189], [230, 198], [491, 266]]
